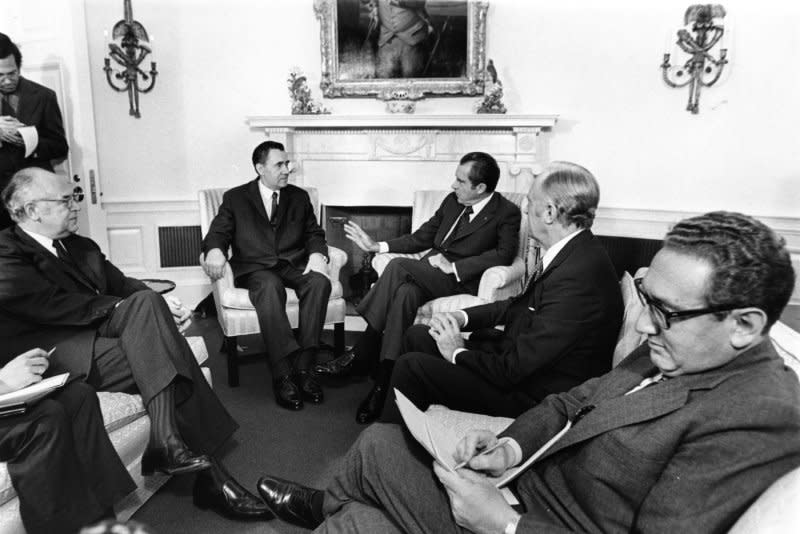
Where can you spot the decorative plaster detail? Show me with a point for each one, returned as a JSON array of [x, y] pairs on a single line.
[[402, 145]]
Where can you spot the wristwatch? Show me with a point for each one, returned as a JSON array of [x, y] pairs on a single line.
[[511, 527]]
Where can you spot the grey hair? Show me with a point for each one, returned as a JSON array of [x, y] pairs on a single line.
[[15, 193], [574, 192]]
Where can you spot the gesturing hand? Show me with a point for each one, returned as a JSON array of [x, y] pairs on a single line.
[[24, 370], [214, 264], [476, 503], [354, 233], [445, 329]]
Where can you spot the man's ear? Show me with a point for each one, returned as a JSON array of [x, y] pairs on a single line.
[[480, 188], [260, 169], [748, 325], [31, 212]]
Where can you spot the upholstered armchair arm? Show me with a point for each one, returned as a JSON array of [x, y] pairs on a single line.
[[337, 258], [380, 261], [502, 282]]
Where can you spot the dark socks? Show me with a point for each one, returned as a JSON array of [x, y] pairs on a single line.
[[161, 409], [316, 506], [383, 374]]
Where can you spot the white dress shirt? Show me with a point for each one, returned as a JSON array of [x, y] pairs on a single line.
[[266, 197]]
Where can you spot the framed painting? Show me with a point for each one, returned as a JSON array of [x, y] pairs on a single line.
[[402, 49]]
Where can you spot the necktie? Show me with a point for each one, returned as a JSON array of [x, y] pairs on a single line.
[[462, 221], [64, 255], [8, 109], [273, 217], [537, 272]]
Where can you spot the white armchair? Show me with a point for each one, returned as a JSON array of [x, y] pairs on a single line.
[[497, 283], [235, 312]]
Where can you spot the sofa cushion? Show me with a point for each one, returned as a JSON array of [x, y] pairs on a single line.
[[777, 511], [629, 338]]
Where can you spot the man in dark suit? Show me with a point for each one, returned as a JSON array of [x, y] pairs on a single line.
[[682, 436], [112, 332], [473, 229], [61, 463], [276, 243], [25, 104], [559, 332], [404, 30]]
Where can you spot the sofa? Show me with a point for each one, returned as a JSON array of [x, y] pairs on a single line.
[[129, 429], [777, 511]]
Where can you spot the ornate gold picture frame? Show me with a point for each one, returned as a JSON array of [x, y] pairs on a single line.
[[402, 49]]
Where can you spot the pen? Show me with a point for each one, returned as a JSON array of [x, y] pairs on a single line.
[[51, 351], [483, 452]]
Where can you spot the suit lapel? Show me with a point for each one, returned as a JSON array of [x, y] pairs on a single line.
[[254, 197], [485, 215], [60, 272]]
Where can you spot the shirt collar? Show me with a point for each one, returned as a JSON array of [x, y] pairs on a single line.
[[478, 206], [45, 241], [266, 192], [553, 251]]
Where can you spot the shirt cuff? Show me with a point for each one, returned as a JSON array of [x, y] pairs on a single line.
[[516, 450], [465, 316], [456, 353], [383, 247]]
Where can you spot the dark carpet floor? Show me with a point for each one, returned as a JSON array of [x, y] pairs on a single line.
[[301, 446]]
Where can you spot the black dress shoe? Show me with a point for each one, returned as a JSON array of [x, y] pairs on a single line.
[[287, 394], [309, 388], [218, 490], [289, 501], [344, 365], [371, 407], [173, 458]]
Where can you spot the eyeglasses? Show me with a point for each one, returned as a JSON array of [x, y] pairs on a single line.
[[76, 197], [661, 317]]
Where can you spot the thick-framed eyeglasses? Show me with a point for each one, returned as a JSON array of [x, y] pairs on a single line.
[[77, 196], [663, 318]]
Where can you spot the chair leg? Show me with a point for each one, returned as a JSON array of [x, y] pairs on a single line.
[[233, 361], [338, 339]]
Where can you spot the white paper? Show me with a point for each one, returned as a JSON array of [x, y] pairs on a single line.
[[35, 391], [30, 137]]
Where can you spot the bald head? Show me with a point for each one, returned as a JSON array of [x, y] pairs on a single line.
[[41, 201]]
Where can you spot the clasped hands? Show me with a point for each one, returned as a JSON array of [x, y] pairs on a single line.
[[9, 130], [476, 503], [445, 329]]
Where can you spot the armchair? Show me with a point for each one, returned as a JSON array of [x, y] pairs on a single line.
[[497, 283], [235, 312]]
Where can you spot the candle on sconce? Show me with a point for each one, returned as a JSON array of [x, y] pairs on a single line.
[[105, 39]]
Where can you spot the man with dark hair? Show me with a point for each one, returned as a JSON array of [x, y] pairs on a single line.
[[682, 436], [276, 242], [559, 332], [112, 332], [30, 109], [473, 229]]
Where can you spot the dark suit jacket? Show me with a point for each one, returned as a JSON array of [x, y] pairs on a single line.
[[44, 302], [242, 225], [489, 239], [567, 337], [37, 107], [687, 455]]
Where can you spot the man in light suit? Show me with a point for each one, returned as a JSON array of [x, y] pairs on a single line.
[[276, 243], [112, 332], [24, 103], [559, 332], [473, 229], [682, 436]]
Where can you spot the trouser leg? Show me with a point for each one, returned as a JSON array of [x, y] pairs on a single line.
[[387, 469], [313, 292], [268, 295]]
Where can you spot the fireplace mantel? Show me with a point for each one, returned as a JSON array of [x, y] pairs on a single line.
[[382, 159]]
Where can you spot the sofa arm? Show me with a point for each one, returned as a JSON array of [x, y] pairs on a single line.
[[380, 261], [337, 258], [502, 282]]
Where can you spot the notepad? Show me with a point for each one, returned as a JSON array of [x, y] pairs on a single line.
[[34, 392]]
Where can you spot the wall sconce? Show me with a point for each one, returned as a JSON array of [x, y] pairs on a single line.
[[134, 47], [698, 36]]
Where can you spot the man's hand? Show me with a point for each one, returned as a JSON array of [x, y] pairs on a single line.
[[354, 233], [440, 262], [445, 329], [181, 314], [214, 263], [316, 262], [9, 130], [470, 449], [24, 370], [476, 503]]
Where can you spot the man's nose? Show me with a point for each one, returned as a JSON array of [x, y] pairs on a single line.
[[645, 323]]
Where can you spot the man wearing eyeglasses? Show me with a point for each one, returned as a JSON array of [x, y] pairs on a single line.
[[57, 289], [31, 128], [682, 436]]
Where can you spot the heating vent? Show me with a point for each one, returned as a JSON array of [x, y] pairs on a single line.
[[630, 253], [179, 246]]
